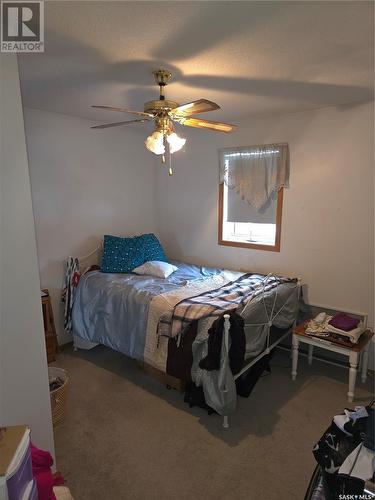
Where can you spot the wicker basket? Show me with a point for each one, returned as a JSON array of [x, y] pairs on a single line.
[[59, 395]]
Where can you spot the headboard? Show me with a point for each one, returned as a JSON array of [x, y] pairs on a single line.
[[92, 258]]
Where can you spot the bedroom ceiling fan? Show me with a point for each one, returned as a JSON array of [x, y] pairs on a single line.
[[164, 113]]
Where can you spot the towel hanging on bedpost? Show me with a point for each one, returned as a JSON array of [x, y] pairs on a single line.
[[72, 275]]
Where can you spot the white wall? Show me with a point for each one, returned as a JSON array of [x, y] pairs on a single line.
[[327, 226], [85, 183], [24, 387]]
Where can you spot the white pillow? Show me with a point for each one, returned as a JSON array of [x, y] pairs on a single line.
[[156, 268]]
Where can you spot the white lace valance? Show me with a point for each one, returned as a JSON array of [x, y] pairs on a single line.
[[255, 172]]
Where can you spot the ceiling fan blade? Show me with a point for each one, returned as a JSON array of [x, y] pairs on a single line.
[[199, 123], [123, 110], [195, 107], [117, 124]]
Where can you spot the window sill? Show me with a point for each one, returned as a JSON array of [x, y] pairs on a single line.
[[255, 246]]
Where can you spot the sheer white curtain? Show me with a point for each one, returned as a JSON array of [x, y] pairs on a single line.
[[255, 172]]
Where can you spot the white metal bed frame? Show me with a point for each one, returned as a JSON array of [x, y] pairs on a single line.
[[78, 343], [269, 323]]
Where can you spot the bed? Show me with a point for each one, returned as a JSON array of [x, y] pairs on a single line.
[[157, 321]]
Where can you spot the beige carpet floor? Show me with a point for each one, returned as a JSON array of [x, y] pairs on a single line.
[[128, 437]]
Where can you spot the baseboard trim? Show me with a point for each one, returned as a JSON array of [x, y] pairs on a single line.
[[64, 347], [324, 359]]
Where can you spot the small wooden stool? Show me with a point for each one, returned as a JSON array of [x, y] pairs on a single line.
[[49, 327], [352, 351]]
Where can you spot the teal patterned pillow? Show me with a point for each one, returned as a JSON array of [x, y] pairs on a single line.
[[122, 255], [152, 249]]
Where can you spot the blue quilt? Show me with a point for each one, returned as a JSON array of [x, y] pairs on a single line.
[[112, 309]]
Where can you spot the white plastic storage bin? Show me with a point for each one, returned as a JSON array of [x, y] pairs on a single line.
[[17, 483]]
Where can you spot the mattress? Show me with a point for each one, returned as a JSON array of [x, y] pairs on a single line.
[[122, 311]]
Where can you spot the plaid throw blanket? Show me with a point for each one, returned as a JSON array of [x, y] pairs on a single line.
[[216, 302]]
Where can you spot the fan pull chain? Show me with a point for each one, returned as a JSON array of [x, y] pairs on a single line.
[[170, 171], [165, 148]]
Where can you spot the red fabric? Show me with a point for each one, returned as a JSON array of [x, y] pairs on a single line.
[[44, 482], [75, 279], [42, 462], [58, 479]]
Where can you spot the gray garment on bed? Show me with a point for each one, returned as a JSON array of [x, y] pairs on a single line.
[[279, 309], [219, 387]]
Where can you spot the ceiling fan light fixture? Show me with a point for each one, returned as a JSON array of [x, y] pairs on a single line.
[[163, 113], [175, 142], [155, 143]]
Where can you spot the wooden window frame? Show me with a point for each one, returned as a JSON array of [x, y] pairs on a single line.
[[254, 246]]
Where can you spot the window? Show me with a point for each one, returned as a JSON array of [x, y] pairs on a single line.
[[251, 196]]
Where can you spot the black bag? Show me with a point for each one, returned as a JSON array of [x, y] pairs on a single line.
[[246, 383], [194, 396], [331, 451]]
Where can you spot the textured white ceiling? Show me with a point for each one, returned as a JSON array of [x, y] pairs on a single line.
[[250, 57]]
